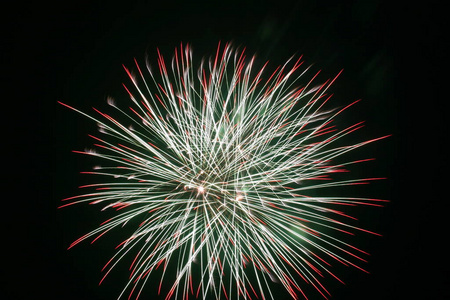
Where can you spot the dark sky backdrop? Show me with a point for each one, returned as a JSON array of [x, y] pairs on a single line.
[[391, 56]]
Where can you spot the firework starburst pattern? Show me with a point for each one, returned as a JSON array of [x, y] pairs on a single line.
[[216, 171]]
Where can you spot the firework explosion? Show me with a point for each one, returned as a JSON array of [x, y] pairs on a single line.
[[216, 175]]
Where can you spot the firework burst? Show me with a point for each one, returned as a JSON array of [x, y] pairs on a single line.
[[216, 172]]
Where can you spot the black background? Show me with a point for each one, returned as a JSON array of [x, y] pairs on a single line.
[[392, 56]]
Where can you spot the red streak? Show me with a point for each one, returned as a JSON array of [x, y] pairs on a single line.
[[101, 234], [104, 222]]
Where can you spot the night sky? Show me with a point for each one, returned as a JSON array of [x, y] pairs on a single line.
[[392, 58]]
